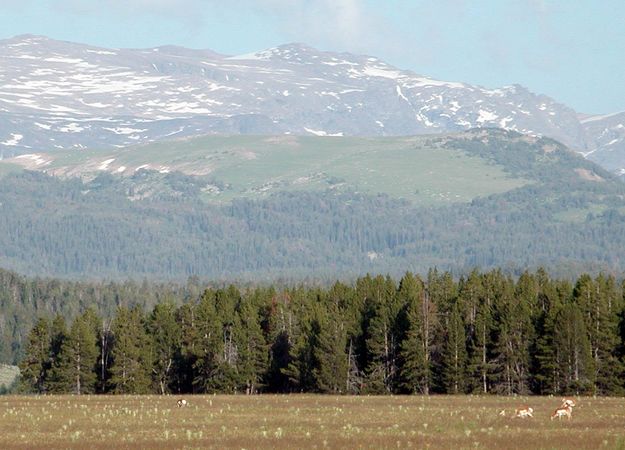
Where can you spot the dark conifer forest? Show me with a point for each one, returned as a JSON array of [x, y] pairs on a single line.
[[482, 333]]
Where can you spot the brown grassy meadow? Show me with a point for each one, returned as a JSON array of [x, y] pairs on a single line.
[[304, 421]]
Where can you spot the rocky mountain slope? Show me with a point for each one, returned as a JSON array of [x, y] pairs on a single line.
[[64, 95], [608, 133]]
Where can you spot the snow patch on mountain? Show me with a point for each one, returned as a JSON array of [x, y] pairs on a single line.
[[62, 95], [13, 140]]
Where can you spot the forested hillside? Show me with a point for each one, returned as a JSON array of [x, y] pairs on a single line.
[[24, 299], [483, 333], [565, 213]]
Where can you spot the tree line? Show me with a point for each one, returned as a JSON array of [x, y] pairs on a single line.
[[482, 333]]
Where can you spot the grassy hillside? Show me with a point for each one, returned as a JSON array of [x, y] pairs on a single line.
[[486, 198], [412, 168]]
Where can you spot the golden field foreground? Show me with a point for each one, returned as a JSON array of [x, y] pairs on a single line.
[[305, 421]]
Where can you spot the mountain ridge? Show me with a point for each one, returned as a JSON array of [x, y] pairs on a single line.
[[59, 94]]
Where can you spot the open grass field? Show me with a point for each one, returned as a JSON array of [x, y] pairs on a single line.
[[254, 166], [305, 421]]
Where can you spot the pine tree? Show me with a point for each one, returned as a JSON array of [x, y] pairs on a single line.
[[599, 303], [302, 341], [573, 352], [420, 325], [74, 370], [350, 306], [226, 377], [476, 301], [330, 359], [164, 334], [253, 350], [186, 360], [551, 298], [454, 353], [36, 363], [131, 364], [58, 335], [282, 330], [511, 336], [381, 336], [443, 293]]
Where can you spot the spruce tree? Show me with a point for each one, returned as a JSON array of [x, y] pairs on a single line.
[[36, 363], [253, 358], [476, 301], [454, 353], [184, 367], [302, 341], [572, 348], [165, 336], [74, 370], [382, 334], [58, 335], [131, 364], [600, 304], [421, 320], [551, 298], [514, 336], [331, 371]]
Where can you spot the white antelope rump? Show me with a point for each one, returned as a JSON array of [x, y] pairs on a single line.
[[181, 403], [566, 402], [524, 412], [561, 412]]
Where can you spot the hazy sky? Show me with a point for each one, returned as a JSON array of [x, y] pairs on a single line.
[[572, 50]]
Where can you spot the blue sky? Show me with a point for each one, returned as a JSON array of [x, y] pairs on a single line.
[[571, 50]]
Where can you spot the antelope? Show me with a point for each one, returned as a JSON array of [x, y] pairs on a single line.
[[561, 412], [181, 403], [566, 402], [523, 412]]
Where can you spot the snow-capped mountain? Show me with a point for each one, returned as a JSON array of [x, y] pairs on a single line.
[[57, 94], [609, 138]]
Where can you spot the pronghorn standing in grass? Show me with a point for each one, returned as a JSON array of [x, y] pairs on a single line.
[[561, 412], [181, 403], [524, 412]]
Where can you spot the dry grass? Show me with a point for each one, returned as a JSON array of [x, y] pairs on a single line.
[[304, 421]]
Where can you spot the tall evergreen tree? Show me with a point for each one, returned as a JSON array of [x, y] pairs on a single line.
[[208, 349], [381, 336], [302, 341], [514, 336], [253, 352], [454, 353], [421, 322], [36, 363], [131, 364], [186, 359], [74, 370], [573, 352], [331, 361], [477, 302], [165, 337], [58, 335], [600, 304], [551, 298]]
